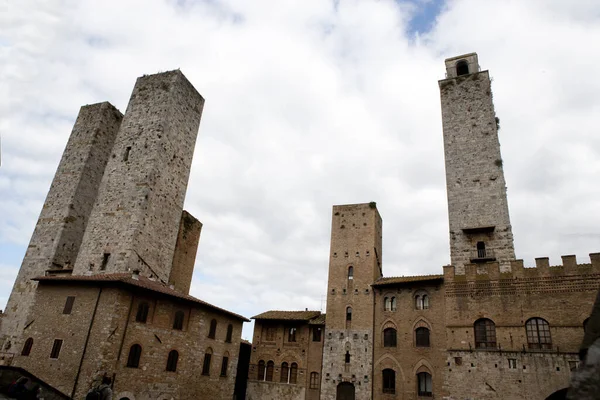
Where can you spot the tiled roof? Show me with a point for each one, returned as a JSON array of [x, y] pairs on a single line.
[[319, 320], [288, 315], [393, 280], [140, 282]]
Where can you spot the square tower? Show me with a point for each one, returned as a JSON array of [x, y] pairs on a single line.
[[354, 264], [480, 229]]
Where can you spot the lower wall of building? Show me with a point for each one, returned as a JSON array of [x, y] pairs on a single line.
[[484, 375], [274, 391]]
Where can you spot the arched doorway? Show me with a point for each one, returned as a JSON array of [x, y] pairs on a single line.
[[558, 395], [345, 391]]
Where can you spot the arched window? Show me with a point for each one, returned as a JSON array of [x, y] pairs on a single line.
[[462, 68], [269, 374], [389, 381], [135, 352], [178, 321], [425, 300], [142, 312], [538, 334], [389, 337], [206, 363], [422, 337], [422, 301], [229, 333], [480, 250], [348, 313], [314, 380], [261, 370], [387, 304], [293, 373], [351, 272], [213, 329], [424, 386], [393, 304], [172, 361], [27, 347], [485, 333], [285, 371]]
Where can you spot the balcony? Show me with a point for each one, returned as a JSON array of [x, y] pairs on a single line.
[[482, 256]]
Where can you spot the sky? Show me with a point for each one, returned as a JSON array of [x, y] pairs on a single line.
[[309, 104]]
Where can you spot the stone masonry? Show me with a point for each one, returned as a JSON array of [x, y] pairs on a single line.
[[56, 239]]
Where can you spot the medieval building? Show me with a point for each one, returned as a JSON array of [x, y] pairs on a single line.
[[103, 289], [485, 328]]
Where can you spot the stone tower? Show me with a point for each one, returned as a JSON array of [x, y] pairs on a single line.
[[480, 229], [135, 221], [56, 239], [354, 264]]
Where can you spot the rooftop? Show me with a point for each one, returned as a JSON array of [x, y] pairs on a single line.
[[289, 315], [395, 280]]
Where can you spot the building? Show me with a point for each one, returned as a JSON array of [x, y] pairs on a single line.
[[103, 289], [485, 328]]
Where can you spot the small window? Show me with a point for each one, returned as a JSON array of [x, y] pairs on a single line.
[[317, 331], [422, 301], [512, 363], [271, 331], [389, 381], [126, 154], [387, 304], [485, 333], [261, 370], [133, 360], [292, 334], [538, 334], [172, 361], [105, 259], [389, 337], [424, 387], [213, 329], [350, 272], [293, 373], [348, 313], [27, 347], [285, 373], [56, 346], [425, 300], [178, 321], [229, 333], [462, 68], [422, 337], [393, 304], [69, 305], [142, 312], [481, 250], [347, 358], [314, 380], [206, 363], [269, 374], [224, 366]]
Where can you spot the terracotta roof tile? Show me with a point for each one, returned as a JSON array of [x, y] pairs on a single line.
[[393, 280], [319, 320], [288, 315], [141, 282]]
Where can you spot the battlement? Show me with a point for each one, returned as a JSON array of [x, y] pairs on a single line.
[[491, 271]]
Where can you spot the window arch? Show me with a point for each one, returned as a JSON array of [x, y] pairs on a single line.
[[314, 380], [27, 347], [389, 381], [421, 301], [485, 333], [424, 386], [135, 352], [206, 362], [393, 304], [261, 370], [142, 312], [229, 333], [387, 304], [389, 337], [350, 272], [213, 329], [178, 321], [538, 334], [422, 337], [269, 373], [172, 361], [294, 373], [285, 371], [462, 68]]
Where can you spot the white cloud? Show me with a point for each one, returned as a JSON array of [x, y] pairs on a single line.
[[310, 104]]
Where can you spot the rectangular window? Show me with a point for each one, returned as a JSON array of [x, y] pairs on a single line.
[[224, 366], [292, 334], [317, 334], [105, 259], [314, 380], [56, 348], [206, 364], [573, 365], [512, 363], [69, 305], [271, 331]]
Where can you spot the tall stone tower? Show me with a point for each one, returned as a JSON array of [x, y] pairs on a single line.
[[56, 239], [480, 229], [354, 264], [135, 221]]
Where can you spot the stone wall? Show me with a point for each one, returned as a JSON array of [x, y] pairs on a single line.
[[185, 252], [274, 391], [57, 236]]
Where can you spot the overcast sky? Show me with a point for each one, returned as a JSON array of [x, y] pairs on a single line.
[[311, 103]]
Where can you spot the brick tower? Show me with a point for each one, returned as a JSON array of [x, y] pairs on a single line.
[[135, 221], [56, 239], [354, 264], [480, 229]]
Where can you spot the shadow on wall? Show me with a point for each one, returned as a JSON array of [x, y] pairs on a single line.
[[9, 375]]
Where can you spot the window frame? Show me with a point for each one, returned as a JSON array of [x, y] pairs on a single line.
[[484, 330], [422, 339], [206, 362], [388, 376], [172, 360], [293, 374], [229, 333], [390, 337], [69, 302], [427, 380], [291, 337], [261, 375], [269, 371], [56, 347], [537, 331], [317, 333], [178, 320], [212, 330], [224, 365], [142, 312], [27, 346], [314, 380], [134, 356]]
